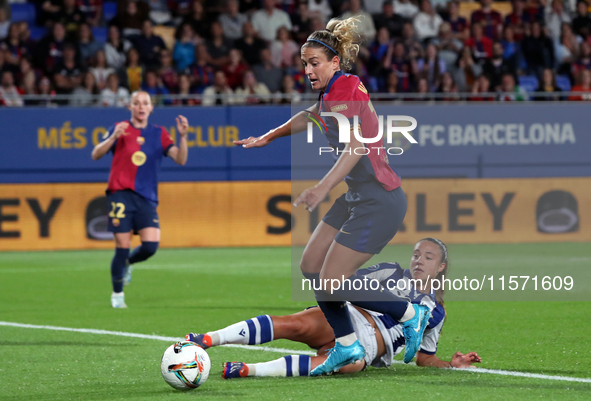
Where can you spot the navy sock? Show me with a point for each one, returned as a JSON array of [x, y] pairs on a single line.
[[335, 311], [373, 299], [143, 252], [118, 268]]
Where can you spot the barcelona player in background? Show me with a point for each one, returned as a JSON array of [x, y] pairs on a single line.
[[138, 149], [362, 221]]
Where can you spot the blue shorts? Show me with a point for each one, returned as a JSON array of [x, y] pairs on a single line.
[[130, 211], [367, 217]]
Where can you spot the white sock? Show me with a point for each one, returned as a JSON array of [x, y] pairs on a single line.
[[347, 340], [409, 314], [258, 330], [288, 366]]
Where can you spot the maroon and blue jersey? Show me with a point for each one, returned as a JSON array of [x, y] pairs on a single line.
[[136, 160], [346, 94]]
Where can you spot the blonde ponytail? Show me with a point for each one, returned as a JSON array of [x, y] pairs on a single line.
[[340, 38]]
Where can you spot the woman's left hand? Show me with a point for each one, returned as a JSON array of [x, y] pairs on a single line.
[[311, 197], [459, 360], [182, 124]]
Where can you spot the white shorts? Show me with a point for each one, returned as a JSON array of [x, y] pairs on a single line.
[[365, 334]]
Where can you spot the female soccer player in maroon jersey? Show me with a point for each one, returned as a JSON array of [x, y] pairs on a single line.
[[138, 148], [363, 220]]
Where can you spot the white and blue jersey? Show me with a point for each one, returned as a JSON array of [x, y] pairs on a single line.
[[398, 280]]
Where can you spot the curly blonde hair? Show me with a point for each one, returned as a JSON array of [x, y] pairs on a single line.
[[340, 37]]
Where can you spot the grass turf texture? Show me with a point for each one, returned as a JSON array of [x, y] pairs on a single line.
[[182, 290]]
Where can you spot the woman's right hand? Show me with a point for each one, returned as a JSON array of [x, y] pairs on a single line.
[[255, 142], [120, 129]]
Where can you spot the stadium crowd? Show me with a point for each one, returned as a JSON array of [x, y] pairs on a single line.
[[248, 50]]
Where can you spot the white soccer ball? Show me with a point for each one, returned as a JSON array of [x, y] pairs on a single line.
[[185, 365]]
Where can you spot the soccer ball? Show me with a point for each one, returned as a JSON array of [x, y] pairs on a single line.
[[185, 365]]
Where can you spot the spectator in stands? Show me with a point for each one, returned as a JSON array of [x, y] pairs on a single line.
[[467, 70], [510, 91], [184, 48], [584, 60], [24, 36], [10, 95], [289, 94], [87, 46], [201, 72], [490, 20], [235, 69], [49, 13], [250, 45], [389, 20], [4, 24], [101, 70], [181, 9], [583, 86], [149, 45], [431, 67], [159, 12], [538, 50], [219, 93], [497, 66], [427, 22], [391, 83], [167, 73], [155, 88], [480, 89], [457, 23], [218, 46], [268, 20], [548, 85], [518, 18], [283, 48], [405, 8], [300, 22], [113, 94], [405, 66], [422, 91], [25, 70], [232, 20], [86, 94], [197, 19], [68, 74], [447, 87], [298, 74], [365, 27], [555, 18], [71, 16], [413, 46], [318, 8], [267, 73], [512, 49], [131, 15], [186, 93], [46, 92], [378, 50], [28, 87], [582, 23], [481, 45], [92, 10], [13, 47], [447, 46], [251, 91], [134, 71], [567, 51], [116, 48]]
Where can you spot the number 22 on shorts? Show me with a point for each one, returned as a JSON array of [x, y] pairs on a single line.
[[117, 210]]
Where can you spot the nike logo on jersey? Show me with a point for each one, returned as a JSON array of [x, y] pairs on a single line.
[[242, 333]]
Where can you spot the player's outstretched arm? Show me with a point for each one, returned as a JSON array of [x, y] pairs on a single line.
[[103, 148], [297, 123], [180, 153], [458, 360]]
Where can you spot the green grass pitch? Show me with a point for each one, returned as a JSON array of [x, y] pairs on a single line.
[[182, 290]]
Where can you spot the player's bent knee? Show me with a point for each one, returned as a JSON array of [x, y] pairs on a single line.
[[149, 248]]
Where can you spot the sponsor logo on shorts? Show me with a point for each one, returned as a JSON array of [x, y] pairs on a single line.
[[155, 220]]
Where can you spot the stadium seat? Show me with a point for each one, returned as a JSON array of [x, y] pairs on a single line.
[[23, 12], [100, 34], [109, 10], [529, 83], [563, 83], [37, 32]]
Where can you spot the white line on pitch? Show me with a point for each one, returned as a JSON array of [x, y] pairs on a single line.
[[281, 350]]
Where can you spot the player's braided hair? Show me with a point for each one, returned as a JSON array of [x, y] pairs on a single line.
[[444, 259], [340, 39]]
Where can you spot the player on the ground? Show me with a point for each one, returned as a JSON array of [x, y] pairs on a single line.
[[138, 148], [361, 222], [381, 337]]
